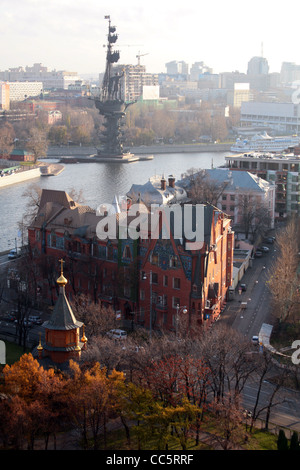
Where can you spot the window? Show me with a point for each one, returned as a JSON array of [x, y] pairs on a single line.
[[173, 261], [142, 294], [165, 281], [175, 301], [232, 197], [176, 283], [154, 259], [154, 278]]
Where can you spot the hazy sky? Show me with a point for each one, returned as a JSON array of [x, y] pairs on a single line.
[[70, 34]]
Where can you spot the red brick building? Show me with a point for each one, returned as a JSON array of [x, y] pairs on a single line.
[[143, 278]]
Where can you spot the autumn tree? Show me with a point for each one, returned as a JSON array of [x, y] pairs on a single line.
[[7, 136], [32, 399], [284, 280], [92, 400]]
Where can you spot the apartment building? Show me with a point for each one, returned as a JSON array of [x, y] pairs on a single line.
[[283, 170], [134, 80]]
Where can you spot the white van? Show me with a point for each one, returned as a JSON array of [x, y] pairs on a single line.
[[117, 334]]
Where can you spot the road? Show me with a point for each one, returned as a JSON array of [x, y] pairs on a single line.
[[257, 296], [248, 322]]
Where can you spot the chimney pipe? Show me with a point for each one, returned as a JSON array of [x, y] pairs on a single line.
[[163, 183], [172, 181]]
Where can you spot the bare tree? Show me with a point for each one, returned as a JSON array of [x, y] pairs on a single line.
[[37, 143], [225, 352], [264, 366], [201, 188]]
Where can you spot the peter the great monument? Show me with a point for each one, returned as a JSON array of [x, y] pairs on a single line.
[[111, 105]]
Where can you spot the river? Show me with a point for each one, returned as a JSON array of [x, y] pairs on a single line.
[[99, 183]]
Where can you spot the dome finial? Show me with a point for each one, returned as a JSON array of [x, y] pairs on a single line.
[[62, 281]]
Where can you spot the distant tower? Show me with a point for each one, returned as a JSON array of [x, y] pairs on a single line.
[[62, 331], [110, 103]]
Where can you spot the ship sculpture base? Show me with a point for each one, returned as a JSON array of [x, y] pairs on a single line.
[[119, 158]]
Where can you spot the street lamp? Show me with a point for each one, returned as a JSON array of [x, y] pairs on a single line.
[[178, 309], [144, 278]]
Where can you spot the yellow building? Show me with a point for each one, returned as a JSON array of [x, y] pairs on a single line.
[[4, 96]]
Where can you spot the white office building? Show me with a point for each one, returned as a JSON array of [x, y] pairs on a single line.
[[282, 118], [19, 91]]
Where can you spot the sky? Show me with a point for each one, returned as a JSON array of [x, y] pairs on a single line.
[[71, 34]]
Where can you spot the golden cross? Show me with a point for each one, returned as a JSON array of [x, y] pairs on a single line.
[[61, 265]]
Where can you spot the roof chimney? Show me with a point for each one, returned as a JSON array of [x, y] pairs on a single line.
[[163, 183], [172, 181]]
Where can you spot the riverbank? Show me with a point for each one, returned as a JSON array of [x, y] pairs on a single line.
[[81, 151]]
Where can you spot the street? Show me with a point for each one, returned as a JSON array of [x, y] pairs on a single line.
[[248, 321]]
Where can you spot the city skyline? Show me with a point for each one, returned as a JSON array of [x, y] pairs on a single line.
[[66, 36]]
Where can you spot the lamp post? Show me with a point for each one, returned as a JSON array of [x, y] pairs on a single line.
[[144, 278], [178, 309]]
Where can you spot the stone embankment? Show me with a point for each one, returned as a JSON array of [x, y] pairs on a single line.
[[20, 176], [142, 150]]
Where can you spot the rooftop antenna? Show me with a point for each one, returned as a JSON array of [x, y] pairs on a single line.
[[262, 49]]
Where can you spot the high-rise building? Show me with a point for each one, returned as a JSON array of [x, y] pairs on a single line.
[[177, 68], [240, 93], [258, 66], [198, 69], [134, 80]]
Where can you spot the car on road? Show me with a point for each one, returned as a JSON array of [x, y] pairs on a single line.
[[258, 254], [264, 249], [269, 240], [117, 334], [255, 339], [13, 254], [243, 287]]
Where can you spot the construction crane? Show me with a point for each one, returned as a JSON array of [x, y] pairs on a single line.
[[139, 57]]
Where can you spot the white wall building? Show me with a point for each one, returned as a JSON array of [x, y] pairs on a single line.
[[19, 91], [282, 118]]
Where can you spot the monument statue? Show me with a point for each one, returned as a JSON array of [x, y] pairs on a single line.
[[110, 103]]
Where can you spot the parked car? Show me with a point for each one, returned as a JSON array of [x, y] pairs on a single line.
[[12, 316], [258, 254], [36, 319], [269, 240], [117, 334], [13, 254], [243, 287], [264, 249], [255, 339]]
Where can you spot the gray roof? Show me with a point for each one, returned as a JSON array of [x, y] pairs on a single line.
[[62, 317], [237, 180]]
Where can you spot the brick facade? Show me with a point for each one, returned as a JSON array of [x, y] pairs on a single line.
[[123, 272]]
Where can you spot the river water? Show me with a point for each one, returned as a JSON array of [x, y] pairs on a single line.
[[99, 183]]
